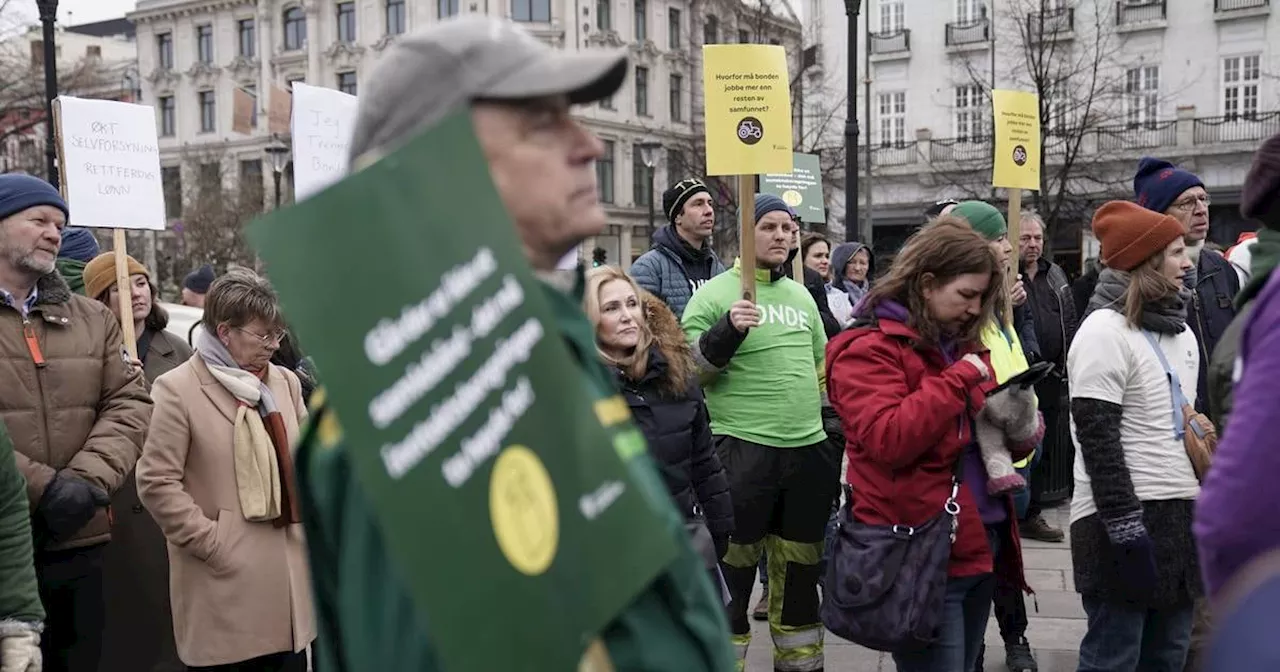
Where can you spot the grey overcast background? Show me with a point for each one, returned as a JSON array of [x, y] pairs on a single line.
[[77, 11]]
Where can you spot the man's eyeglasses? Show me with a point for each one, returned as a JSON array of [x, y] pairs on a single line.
[[274, 338], [1189, 203]]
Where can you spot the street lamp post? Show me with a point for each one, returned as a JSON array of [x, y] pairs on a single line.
[[48, 15], [279, 154], [851, 219], [649, 157]]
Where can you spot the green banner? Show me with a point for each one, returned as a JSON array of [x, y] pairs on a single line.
[[488, 466], [801, 189]]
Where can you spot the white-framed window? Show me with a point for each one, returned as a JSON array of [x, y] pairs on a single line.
[[1058, 99], [892, 118], [893, 16], [969, 113], [1241, 76], [969, 11], [1142, 94]]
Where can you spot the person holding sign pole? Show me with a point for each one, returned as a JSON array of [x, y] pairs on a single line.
[[520, 92], [783, 472], [77, 411], [139, 625]]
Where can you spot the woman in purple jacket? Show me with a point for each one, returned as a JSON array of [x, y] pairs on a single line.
[[1235, 516]]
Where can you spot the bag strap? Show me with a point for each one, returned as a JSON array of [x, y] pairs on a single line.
[[1179, 399]]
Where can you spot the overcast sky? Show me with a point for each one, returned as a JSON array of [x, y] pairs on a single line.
[[80, 11]]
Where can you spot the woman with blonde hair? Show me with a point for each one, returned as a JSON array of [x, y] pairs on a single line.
[[910, 379], [217, 475], [641, 341]]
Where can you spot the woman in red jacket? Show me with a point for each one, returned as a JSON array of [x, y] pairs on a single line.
[[908, 380]]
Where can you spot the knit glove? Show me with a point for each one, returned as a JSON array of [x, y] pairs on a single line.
[[20, 650], [1013, 409], [1133, 556], [69, 502]]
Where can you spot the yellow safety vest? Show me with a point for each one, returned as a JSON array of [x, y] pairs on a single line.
[[1007, 360]]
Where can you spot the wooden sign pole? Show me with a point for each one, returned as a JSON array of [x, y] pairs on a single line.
[[747, 235], [1015, 235], [120, 245]]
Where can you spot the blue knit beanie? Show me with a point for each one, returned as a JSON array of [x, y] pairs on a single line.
[[1159, 183], [767, 203], [199, 280], [78, 244], [19, 192]]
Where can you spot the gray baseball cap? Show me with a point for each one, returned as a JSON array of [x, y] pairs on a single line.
[[423, 77]]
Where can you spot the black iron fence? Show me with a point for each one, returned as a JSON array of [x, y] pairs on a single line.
[[1249, 127], [959, 149], [891, 43], [1230, 5], [1129, 13], [1051, 23], [1141, 135], [969, 32]]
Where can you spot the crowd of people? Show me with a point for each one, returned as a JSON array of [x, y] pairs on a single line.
[[867, 440]]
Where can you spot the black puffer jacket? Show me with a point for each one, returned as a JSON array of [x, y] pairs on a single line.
[[677, 426]]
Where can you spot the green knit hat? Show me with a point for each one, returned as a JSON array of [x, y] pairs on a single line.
[[984, 219]]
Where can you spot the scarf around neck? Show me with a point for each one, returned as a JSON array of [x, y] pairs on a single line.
[[263, 463], [1165, 316]]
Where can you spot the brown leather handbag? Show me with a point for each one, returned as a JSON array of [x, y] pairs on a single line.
[[1199, 436]]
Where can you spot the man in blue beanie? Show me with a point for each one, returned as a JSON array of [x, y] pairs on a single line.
[[1163, 187], [783, 473], [76, 409]]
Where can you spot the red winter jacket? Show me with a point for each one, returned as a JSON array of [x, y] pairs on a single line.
[[906, 416]]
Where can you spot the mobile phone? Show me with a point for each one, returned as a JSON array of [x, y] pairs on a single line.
[[1033, 375]]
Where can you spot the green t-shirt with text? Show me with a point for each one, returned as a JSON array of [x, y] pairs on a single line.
[[770, 391]]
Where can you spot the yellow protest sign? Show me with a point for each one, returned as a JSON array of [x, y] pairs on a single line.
[[748, 109], [1017, 128]]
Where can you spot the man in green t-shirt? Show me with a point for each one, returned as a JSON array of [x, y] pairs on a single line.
[[765, 364]]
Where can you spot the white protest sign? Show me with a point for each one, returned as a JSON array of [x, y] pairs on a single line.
[[323, 121], [111, 164]]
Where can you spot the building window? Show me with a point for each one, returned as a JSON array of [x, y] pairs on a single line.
[[252, 191], [164, 50], [347, 82], [675, 165], [446, 8], [531, 11], [744, 36], [395, 17], [604, 172], [968, 113], [892, 15], [204, 44], [711, 30], [604, 15], [1142, 94], [1240, 75], [641, 182], [295, 29], [673, 29], [247, 31], [969, 11], [171, 181], [677, 98], [209, 180], [253, 93], [1057, 104], [607, 103], [168, 116], [642, 20], [208, 112], [642, 91], [347, 22], [893, 119]]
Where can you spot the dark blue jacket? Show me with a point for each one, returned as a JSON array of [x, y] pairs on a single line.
[[672, 270], [1211, 311]]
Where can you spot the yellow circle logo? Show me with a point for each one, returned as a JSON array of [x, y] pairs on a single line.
[[792, 197], [522, 506]]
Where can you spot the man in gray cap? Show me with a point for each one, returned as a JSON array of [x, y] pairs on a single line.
[[519, 92]]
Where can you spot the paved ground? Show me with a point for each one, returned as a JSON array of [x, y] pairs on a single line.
[[1055, 631]]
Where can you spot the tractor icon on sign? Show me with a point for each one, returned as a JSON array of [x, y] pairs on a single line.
[[750, 130], [1020, 155]]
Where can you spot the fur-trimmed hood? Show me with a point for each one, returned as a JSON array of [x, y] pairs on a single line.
[[675, 365]]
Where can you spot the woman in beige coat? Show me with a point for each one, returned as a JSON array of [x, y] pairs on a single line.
[[217, 475]]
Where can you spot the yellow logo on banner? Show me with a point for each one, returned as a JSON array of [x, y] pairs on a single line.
[[748, 109], [522, 505], [1017, 124]]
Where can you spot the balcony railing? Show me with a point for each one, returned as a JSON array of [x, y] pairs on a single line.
[[1141, 135], [1249, 127], [1129, 13], [960, 149], [1232, 5], [895, 154], [1051, 23], [969, 32], [891, 43]]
